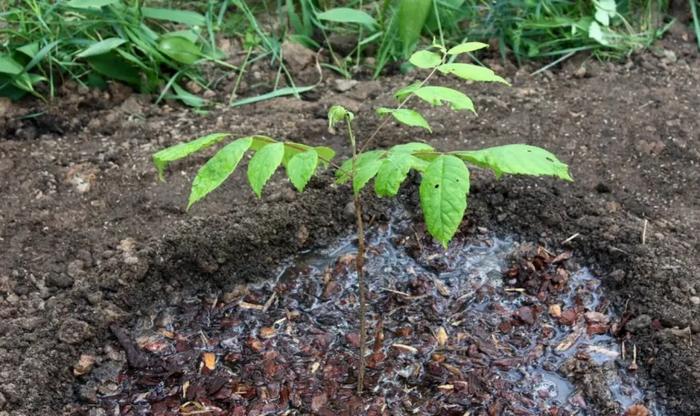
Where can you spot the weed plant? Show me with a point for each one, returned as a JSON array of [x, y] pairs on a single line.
[[93, 41]]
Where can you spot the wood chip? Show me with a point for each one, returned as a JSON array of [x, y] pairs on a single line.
[[442, 288], [555, 311], [405, 348], [246, 305], [441, 337], [209, 360], [268, 332]]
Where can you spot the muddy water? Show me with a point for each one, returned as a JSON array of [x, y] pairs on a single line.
[[449, 334]]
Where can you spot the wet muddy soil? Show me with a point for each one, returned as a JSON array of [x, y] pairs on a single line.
[[90, 240], [452, 333]]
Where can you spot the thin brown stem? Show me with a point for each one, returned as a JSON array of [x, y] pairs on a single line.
[[359, 265]]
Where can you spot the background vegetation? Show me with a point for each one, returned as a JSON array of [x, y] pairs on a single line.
[[162, 46]]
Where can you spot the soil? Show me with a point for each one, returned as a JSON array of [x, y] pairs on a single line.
[[90, 239]]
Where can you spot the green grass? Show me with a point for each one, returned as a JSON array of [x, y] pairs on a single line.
[[155, 50], [160, 49], [523, 29]]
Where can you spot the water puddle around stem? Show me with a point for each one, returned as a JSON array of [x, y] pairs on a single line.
[[449, 334]]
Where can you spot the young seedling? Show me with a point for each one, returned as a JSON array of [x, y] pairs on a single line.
[[444, 175]]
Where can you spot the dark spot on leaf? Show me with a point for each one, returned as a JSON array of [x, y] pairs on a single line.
[[437, 186], [529, 151], [549, 158]]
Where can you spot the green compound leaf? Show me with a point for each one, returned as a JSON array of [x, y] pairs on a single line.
[[466, 47], [162, 158], [344, 173], [301, 168], [443, 196], [406, 116], [263, 164], [425, 59], [471, 72], [436, 95], [363, 174], [347, 15], [218, 169], [518, 159], [393, 171]]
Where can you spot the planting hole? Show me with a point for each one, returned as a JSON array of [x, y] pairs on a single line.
[[489, 325]]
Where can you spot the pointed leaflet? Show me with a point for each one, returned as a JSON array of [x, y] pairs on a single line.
[[218, 169], [301, 168], [263, 165], [405, 91], [471, 72], [406, 116], [443, 196], [345, 171], [520, 159], [436, 95], [415, 149], [162, 158], [363, 174], [393, 172], [466, 47], [425, 59]]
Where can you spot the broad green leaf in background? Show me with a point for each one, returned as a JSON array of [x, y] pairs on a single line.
[[411, 19], [436, 95], [363, 174], [471, 72], [181, 150], [425, 59], [443, 196], [604, 11], [185, 17], [347, 15], [90, 4], [466, 47], [301, 168], [114, 66], [596, 33], [517, 159], [180, 49], [10, 66], [393, 172], [218, 169], [263, 164], [344, 173], [406, 116], [103, 46]]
